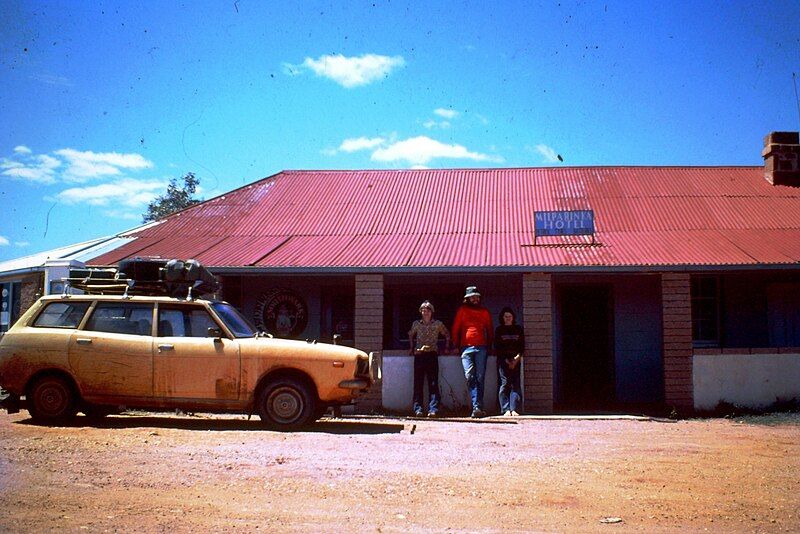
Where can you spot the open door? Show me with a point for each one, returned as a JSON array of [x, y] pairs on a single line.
[[587, 354]]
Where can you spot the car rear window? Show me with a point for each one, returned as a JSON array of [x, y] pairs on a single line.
[[62, 314], [122, 318]]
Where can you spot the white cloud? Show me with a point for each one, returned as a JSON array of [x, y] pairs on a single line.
[[4, 241], [53, 79], [430, 124], [349, 72], [38, 169], [361, 143], [21, 244], [125, 215], [446, 113], [125, 193], [68, 165], [548, 153], [88, 164], [421, 150]]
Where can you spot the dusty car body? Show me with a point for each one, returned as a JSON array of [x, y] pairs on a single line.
[[92, 353]]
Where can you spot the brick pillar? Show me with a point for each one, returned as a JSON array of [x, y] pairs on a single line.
[[369, 330], [537, 318], [677, 317]]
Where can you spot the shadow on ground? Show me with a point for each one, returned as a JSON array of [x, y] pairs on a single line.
[[189, 422]]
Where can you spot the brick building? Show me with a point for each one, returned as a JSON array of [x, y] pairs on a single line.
[[686, 294]]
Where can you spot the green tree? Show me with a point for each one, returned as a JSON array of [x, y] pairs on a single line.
[[176, 198]]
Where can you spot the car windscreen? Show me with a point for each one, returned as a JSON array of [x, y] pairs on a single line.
[[235, 321]]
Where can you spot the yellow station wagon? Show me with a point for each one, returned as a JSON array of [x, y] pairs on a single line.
[[94, 353]]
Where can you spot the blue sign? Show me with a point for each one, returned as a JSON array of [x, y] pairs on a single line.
[[549, 223]]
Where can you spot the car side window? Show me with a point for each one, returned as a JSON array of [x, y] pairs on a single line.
[[62, 314], [184, 321], [122, 318]]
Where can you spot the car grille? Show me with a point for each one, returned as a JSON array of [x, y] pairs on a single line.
[[362, 367]]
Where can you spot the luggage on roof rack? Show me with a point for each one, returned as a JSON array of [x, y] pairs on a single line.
[[147, 276]]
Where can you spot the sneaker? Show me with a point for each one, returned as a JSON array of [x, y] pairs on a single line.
[[418, 413], [507, 414], [433, 414], [477, 413], [515, 414]]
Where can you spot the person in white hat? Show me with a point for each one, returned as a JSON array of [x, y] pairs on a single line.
[[472, 330]]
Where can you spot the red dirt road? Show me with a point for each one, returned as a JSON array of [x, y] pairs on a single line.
[[153, 472]]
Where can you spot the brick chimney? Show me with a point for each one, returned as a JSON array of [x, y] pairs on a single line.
[[782, 158]]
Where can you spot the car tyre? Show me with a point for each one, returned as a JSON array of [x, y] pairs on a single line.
[[286, 404], [52, 400]]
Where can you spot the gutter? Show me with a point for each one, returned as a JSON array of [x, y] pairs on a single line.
[[505, 269]]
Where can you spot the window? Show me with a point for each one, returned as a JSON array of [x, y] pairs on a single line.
[[9, 304], [401, 308], [184, 321], [122, 318], [62, 314], [234, 320], [705, 310]]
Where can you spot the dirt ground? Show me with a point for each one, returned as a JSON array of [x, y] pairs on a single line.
[[154, 472]]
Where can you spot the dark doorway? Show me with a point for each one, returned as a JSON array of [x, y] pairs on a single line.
[[587, 355]]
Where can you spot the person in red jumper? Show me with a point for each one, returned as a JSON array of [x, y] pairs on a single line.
[[472, 330]]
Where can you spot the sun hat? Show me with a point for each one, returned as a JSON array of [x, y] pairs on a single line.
[[472, 291], [426, 304]]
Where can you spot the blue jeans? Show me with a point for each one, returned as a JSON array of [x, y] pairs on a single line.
[[473, 359], [509, 393]]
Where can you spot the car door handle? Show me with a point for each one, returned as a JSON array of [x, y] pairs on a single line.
[[83, 341], [165, 346]]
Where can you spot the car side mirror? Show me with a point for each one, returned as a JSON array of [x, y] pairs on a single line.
[[214, 332]]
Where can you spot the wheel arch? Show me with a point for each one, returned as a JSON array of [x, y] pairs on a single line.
[[53, 372]]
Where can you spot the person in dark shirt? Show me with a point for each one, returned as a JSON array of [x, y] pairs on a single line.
[[509, 344]]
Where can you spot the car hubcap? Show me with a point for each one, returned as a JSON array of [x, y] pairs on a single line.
[[52, 400], [285, 404]]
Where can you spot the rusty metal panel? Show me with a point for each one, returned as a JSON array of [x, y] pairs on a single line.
[[484, 217], [238, 250], [128, 250]]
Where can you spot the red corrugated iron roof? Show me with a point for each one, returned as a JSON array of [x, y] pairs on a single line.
[[644, 216]]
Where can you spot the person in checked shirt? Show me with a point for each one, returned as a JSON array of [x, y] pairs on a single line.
[[424, 346]]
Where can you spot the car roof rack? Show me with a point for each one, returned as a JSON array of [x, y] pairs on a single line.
[[145, 277]]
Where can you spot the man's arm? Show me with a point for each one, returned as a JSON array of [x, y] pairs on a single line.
[[455, 332]]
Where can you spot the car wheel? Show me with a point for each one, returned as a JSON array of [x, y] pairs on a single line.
[[286, 403], [51, 400]]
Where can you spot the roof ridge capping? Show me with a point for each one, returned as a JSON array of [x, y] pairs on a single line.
[[492, 169]]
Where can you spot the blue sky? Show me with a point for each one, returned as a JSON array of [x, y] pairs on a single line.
[[102, 103]]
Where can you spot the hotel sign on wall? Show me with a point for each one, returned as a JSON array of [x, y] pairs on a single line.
[[561, 223], [282, 313]]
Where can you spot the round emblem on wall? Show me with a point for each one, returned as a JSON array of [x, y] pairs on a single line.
[[282, 313]]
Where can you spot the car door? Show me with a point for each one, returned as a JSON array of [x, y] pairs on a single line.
[[190, 363], [112, 355]]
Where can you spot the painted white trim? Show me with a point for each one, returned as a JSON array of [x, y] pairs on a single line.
[[747, 380]]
